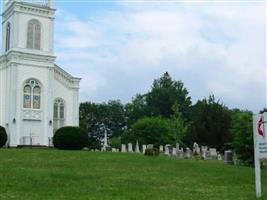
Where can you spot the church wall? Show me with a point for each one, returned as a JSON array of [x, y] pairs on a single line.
[[42, 127], [11, 20], [2, 94], [70, 96], [46, 28]]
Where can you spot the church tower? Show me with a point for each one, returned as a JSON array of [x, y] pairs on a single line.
[[36, 96]]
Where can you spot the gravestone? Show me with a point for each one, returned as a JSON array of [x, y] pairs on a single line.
[[213, 153], [203, 152], [85, 149], [207, 155], [161, 150], [144, 148], [219, 157], [114, 150], [167, 149], [188, 153], [177, 146], [123, 148], [196, 149], [228, 157], [137, 150], [174, 152], [150, 146], [130, 147], [180, 153]]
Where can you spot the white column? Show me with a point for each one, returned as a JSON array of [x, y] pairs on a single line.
[[12, 112], [256, 158]]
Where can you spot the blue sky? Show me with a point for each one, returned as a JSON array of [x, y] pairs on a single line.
[[119, 47]]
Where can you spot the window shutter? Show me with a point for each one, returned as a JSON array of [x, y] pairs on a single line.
[[30, 36]]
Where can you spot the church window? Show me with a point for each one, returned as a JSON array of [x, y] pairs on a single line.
[[8, 36], [34, 35], [32, 94], [59, 113], [27, 96], [36, 97]]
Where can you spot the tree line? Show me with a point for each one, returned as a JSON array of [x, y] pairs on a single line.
[[166, 115]]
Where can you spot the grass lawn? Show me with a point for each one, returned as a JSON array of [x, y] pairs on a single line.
[[52, 174]]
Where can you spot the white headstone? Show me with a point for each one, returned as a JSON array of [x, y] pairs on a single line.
[[150, 146], [219, 157], [114, 150], [203, 151], [213, 153], [177, 146], [123, 148], [188, 153], [130, 147], [137, 150], [174, 153], [180, 153], [207, 155], [161, 149]]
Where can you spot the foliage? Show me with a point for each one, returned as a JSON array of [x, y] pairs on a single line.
[[136, 109], [128, 137], [3, 136], [115, 142], [152, 152], [242, 131], [164, 94], [154, 130], [95, 118], [178, 126], [210, 124], [72, 138]]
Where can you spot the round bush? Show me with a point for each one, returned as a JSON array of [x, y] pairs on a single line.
[[152, 152], [3, 136], [72, 138]]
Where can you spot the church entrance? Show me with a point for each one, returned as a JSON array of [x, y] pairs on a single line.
[[31, 132]]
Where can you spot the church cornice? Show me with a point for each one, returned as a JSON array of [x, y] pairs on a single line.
[[25, 7], [17, 57], [65, 78]]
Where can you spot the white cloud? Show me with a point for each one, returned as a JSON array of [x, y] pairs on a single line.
[[213, 48]]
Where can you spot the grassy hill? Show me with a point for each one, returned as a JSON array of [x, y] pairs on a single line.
[[52, 174]]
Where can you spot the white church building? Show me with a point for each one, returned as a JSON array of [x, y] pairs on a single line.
[[36, 96]]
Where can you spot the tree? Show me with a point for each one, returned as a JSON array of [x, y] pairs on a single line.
[[154, 130], [210, 124], [164, 94], [95, 118], [178, 126], [136, 109], [242, 131]]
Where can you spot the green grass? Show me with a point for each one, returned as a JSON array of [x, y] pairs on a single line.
[[52, 174]]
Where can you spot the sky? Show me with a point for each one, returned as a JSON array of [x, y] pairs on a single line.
[[119, 47]]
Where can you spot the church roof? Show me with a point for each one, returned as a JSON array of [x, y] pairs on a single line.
[[65, 77]]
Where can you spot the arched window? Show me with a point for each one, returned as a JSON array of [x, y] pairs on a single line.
[[59, 113], [34, 35], [8, 36], [32, 94]]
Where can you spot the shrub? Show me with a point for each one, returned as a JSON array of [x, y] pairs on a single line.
[[242, 130], [3, 136], [154, 130], [115, 142], [72, 138], [152, 152]]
